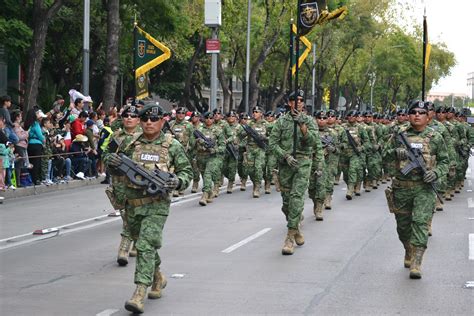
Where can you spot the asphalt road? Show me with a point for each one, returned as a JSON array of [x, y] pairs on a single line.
[[226, 259]]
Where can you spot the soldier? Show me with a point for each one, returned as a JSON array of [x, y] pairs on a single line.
[[254, 155], [352, 154], [293, 140], [412, 193], [373, 157], [321, 177], [244, 118], [270, 159], [116, 192], [195, 119], [147, 214], [207, 156], [231, 139], [182, 131]]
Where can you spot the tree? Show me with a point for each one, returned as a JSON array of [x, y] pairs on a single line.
[[111, 71]]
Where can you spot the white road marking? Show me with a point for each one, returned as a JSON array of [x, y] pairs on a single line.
[[471, 246], [469, 284], [470, 203], [246, 240], [107, 312]]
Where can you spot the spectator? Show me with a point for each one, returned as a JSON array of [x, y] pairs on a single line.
[[77, 127], [58, 103], [79, 156], [61, 165], [22, 145], [66, 133], [77, 108], [91, 144], [35, 142], [3, 141], [113, 115], [93, 116], [5, 104], [100, 119], [47, 163]]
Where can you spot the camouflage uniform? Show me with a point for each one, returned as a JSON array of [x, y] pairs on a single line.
[[230, 163], [270, 163], [182, 132]]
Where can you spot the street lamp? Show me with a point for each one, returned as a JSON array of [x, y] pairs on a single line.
[[372, 77]]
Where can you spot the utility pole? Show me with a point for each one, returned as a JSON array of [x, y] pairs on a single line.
[[247, 63], [85, 67], [213, 100], [212, 19]]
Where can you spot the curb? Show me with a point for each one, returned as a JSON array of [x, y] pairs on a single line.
[[40, 189]]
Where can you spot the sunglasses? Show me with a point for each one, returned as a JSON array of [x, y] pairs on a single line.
[[299, 100], [414, 112], [129, 115], [331, 116], [322, 118], [256, 112], [180, 112], [401, 115], [152, 118]]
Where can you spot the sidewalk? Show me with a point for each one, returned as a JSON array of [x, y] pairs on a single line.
[[40, 189]]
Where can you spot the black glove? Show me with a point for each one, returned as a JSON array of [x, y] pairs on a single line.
[[292, 162], [430, 176], [172, 183], [114, 160], [401, 153]]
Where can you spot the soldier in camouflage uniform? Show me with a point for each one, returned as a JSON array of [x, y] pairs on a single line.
[[223, 127], [412, 194], [294, 140], [254, 156], [244, 118], [270, 160], [321, 177], [182, 131], [207, 157], [147, 214], [332, 162], [461, 149], [352, 155], [117, 190], [373, 157], [195, 120], [233, 131]]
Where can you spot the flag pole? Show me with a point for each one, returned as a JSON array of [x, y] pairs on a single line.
[[290, 76], [134, 60], [425, 42], [297, 44]]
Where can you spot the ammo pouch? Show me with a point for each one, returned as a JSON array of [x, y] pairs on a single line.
[[109, 191], [390, 199]]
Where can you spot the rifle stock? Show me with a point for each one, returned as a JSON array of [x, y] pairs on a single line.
[[256, 137], [208, 143]]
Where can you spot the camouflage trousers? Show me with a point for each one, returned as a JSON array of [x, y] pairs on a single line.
[[374, 166], [230, 167], [254, 163], [293, 185], [332, 164], [352, 169], [414, 205], [196, 173], [241, 170], [318, 186], [270, 165], [219, 169], [146, 231], [208, 165]]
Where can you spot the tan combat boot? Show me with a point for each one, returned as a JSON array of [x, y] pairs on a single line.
[[357, 188], [256, 190], [243, 184], [350, 191], [133, 251], [137, 302], [408, 254], [318, 210], [299, 238], [439, 206], [275, 180], [230, 185], [447, 196], [210, 197], [327, 202], [375, 185], [175, 193], [203, 200], [337, 179], [122, 257], [268, 189], [430, 230], [159, 283], [415, 267], [366, 186], [181, 193], [215, 191], [289, 245], [195, 187]]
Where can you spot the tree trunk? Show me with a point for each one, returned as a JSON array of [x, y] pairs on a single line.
[[41, 19], [112, 53], [185, 100], [224, 85]]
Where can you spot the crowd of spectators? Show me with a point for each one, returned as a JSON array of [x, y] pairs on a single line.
[[57, 146]]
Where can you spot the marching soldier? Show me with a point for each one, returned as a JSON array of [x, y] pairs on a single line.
[[373, 158], [270, 159], [232, 142], [332, 162], [294, 140], [195, 120], [413, 196], [244, 118], [146, 213]]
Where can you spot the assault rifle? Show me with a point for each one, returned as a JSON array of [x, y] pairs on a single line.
[[352, 142], [208, 143], [262, 143], [232, 150], [464, 152], [153, 181], [327, 140], [416, 161]]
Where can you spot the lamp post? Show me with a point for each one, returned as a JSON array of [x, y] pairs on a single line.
[[372, 77], [247, 62]]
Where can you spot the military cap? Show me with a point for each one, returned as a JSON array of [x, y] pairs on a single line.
[[417, 104], [368, 113], [441, 109], [152, 109], [130, 110], [216, 111], [244, 116], [401, 111], [352, 113], [319, 114], [451, 109], [331, 113], [231, 113], [429, 106], [208, 115], [298, 94], [181, 110], [194, 114], [257, 109], [270, 113]]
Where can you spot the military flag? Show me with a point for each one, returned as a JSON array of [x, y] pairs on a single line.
[[302, 54], [149, 53], [426, 55]]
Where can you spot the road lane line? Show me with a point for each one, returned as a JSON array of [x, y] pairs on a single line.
[[470, 203], [107, 312], [471, 246], [246, 240]]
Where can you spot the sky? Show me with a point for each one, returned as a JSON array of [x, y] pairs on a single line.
[[451, 22]]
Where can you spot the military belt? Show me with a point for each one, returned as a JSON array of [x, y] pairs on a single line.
[[142, 201], [300, 156], [397, 183]]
